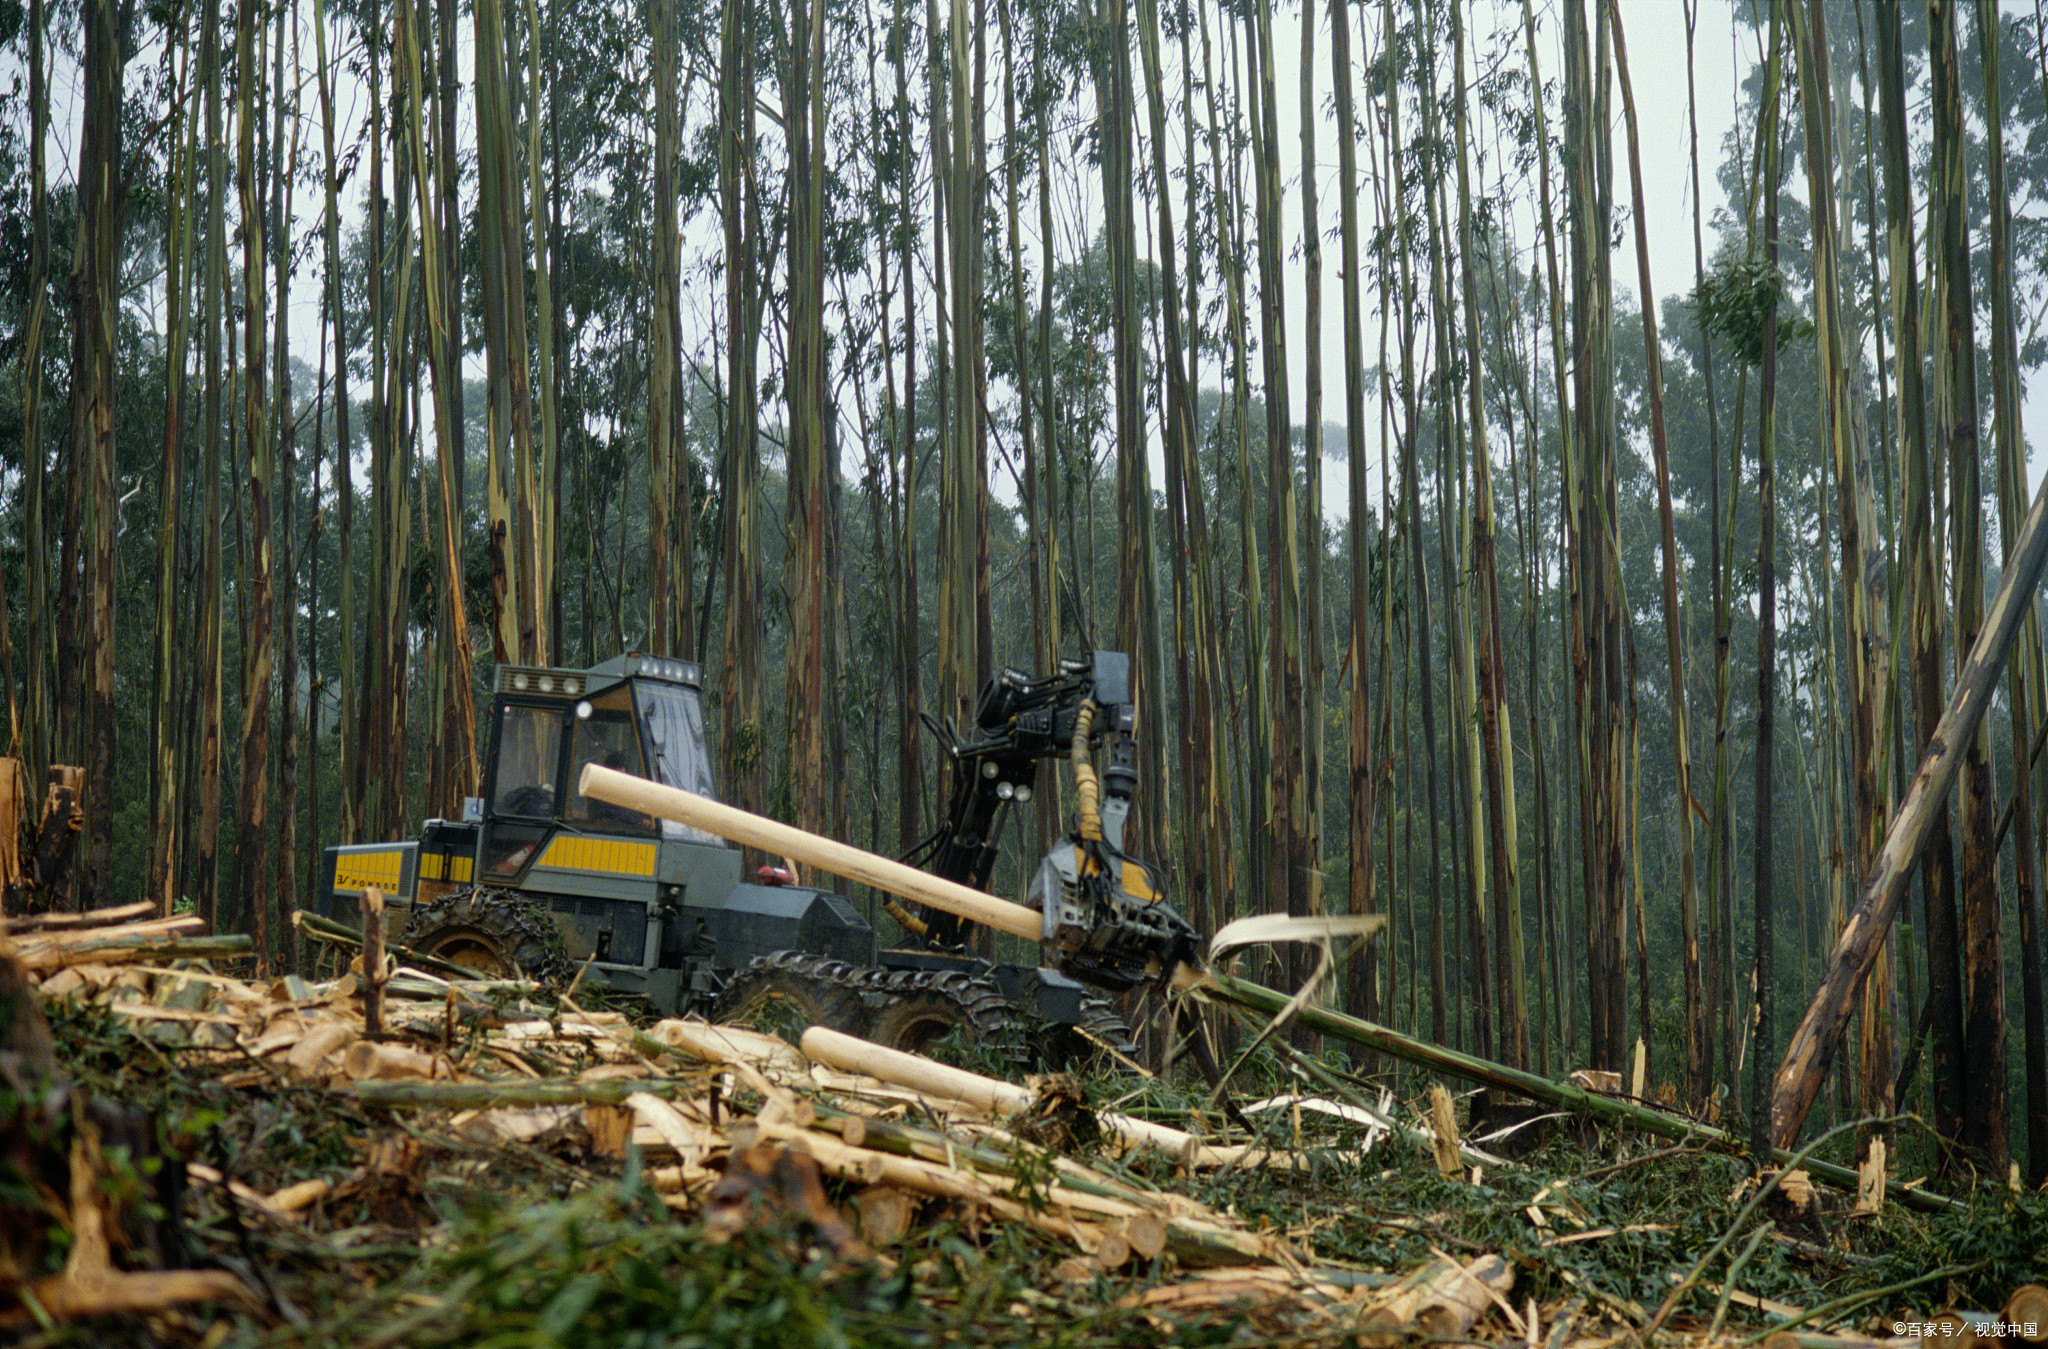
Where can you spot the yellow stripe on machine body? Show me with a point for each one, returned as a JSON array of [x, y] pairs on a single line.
[[622, 857], [440, 867]]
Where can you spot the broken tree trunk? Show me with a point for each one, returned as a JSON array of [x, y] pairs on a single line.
[[1253, 997], [1812, 1048]]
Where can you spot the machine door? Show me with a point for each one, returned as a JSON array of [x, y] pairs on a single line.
[[526, 783]]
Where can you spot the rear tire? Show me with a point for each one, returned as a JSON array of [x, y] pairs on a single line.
[[924, 1006], [498, 934], [774, 991], [1100, 1039]]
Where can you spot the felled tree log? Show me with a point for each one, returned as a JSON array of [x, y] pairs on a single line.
[[127, 950], [32, 924], [829, 855], [920, 1074], [401, 1092], [1228, 989]]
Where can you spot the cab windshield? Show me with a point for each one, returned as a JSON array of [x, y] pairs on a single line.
[[672, 729], [602, 733]]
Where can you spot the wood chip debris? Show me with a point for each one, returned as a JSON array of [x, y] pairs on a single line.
[[728, 1121]]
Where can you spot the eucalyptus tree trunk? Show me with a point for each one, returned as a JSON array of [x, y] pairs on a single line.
[[1362, 754], [1287, 888], [1229, 221], [1137, 584], [284, 158], [1674, 637], [259, 611], [1200, 797], [285, 877], [1560, 371], [344, 475], [667, 611], [905, 649], [961, 561], [166, 817], [1310, 531], [546, 476], [41, 683], [1862, 547], [1718, 998], [459, 775], [1955, 363], [213, 292], [1937, 861], [102, 201], [1764, 897], [1598, 657], [803, 95], [391, 469], [517, 569], [739, 675], [2027, 701], [1420, 620], [1496, 728]]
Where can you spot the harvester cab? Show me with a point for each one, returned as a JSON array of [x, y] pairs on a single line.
[[656, 907]]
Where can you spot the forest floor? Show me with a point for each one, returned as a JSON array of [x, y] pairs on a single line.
[[504, 1168]]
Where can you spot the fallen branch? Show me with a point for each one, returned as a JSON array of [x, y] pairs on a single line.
[[341, 934]]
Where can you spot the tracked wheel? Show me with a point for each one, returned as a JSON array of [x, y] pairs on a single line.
[[1099, 1039], [788, 991], [498, 934], [920, 1007]]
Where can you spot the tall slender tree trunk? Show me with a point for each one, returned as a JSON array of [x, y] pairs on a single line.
[[1362, 753], [166, 817], [1288, 890], [1937, 860], [1495, 725], [1674, 636], [803, 98], [1765, 892], [2028, 711], [1201, 799], [1862, 548], [41, 690], [514, 521], [102, 202], [1984, 1067], [1598, 656], [739, 667]]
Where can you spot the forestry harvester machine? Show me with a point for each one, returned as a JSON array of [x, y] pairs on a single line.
[[539, 878]]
